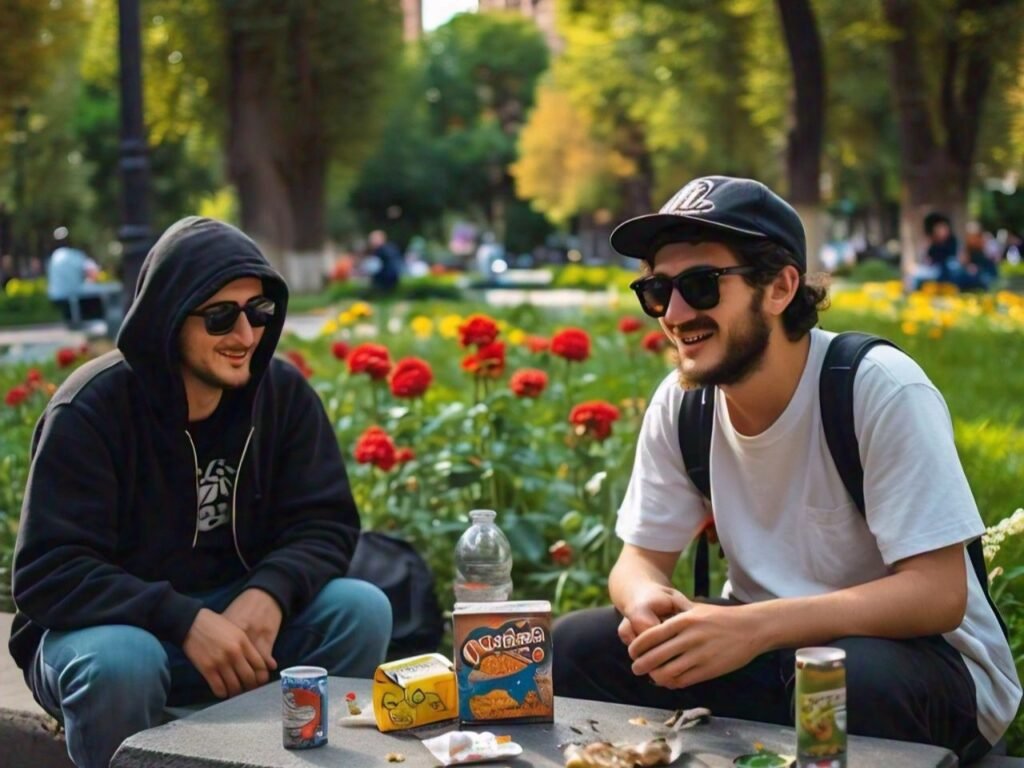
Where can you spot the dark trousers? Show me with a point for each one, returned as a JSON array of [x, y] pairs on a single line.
[[912, 690]]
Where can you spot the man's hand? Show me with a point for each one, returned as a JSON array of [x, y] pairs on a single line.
[[702, 643], [258, 615], [225, 657], [649, 606]]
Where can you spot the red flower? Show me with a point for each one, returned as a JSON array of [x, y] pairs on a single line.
[[487, 361], [34, 378], [708, 527], [528, 382], [561, 553], [340, 350], [411, 377], [66, 356], [572, 344], [375, 447], [478, 330], [371, 359], [17, 395], [630, 324], [297, 359], [655, 341], [594, 418], [537, 343], [403, 455]]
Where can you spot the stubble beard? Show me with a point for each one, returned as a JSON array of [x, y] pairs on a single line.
[[744, 354], [210, 379]]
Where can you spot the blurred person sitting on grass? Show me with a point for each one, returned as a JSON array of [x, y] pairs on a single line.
[[724, 265], [68, 273], [188, 523]]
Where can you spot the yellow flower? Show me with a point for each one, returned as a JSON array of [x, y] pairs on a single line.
[[909, 327], [361, 309], [516, 336], [935, 332], [422, 326], [347, 318], [330, 327], [448, 327]]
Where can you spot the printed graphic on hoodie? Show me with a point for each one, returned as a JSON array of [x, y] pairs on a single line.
[[215, 488]]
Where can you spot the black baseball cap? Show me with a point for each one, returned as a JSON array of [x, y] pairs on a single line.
[[711, 204]]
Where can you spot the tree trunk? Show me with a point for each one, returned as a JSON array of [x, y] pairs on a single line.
[[636, 189], [804, 143], [254, 143], [936, 166], [277, 153]]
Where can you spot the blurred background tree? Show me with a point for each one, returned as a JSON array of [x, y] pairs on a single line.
[[308, 121], [450, 140]]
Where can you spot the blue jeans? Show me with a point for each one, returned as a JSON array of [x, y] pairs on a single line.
[[109, 682]]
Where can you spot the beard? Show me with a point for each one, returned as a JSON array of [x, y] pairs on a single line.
[[744, 348], [212, 380]]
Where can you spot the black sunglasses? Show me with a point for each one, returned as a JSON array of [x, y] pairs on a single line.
[[697, 286], [220, 318]]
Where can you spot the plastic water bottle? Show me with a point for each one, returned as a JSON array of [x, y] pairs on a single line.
[[483, 561]]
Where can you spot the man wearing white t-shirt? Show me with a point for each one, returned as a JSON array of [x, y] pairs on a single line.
[[926, 659]]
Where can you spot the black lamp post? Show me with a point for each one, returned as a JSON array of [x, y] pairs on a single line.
[[19, 238], [134, 233]]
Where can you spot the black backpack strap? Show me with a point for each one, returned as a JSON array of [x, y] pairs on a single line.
[[835, 386], [836, 393], [696, 420]]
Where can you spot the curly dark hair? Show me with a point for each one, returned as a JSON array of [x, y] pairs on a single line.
[[811, 296]]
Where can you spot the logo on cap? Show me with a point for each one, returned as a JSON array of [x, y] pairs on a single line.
[[693, 198]]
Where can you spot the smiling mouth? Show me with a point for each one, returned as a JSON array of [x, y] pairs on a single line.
[[235, 355], [696, 337]]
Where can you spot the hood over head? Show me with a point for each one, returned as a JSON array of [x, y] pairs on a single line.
[[193, 259]]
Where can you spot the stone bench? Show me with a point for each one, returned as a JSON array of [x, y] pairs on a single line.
[[29, 738], [246, 731]]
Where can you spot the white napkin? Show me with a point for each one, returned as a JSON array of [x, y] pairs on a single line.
[[456, 747]]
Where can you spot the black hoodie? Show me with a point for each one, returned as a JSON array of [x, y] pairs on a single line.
[[110, 512]]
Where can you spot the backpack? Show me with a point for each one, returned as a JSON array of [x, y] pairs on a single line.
[[393, 565], [835, 387]]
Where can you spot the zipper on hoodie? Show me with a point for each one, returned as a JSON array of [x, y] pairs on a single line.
[[234, 494], [234, 498], [195, 460]]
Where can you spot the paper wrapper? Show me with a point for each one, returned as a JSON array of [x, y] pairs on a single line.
[[457, 747], [662, 750]]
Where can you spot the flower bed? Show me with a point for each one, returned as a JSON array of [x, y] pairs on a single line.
[[443, 408]]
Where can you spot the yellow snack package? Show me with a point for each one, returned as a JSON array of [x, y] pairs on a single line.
[[415, 691]]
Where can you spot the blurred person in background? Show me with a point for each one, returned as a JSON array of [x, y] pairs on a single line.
[[68, 271], [389, 263]]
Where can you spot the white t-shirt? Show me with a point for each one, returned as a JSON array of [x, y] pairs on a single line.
[[786, 522]]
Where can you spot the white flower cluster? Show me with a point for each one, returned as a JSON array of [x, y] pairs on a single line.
[[995, 535]]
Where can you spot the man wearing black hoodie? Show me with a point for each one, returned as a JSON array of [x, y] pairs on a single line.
[[188, 522]]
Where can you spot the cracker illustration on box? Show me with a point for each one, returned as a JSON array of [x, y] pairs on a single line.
[[503, 661]]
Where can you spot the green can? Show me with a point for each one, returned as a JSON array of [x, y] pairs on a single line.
[[821, 707]]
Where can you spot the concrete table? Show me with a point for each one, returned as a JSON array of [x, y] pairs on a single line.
[[246, 731]]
